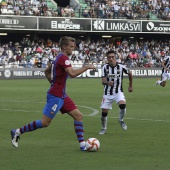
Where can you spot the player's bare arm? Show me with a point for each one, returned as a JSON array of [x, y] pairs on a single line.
[[130, 89], [48, 73], [75, 72], [105, 82]]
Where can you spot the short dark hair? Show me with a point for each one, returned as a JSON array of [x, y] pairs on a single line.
[[65, 41], [109, 52]]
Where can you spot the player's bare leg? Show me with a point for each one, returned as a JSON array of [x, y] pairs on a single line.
[[165, 77], [163, 83]]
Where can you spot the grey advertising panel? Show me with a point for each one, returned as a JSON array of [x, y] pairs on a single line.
[[155, 27], [38, 73], [116, 25], [23, 73], [15, 22], [64, 24]]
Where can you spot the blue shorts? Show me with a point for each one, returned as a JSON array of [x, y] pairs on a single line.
[[53, 105]]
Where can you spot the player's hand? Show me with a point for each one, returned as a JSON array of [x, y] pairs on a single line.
[[111, 83], [130, 89], [91, 66]]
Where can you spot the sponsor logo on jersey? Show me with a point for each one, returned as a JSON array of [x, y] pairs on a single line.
[[67, 62]]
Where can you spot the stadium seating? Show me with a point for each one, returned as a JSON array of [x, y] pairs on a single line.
[[7, 8], [52, 4]]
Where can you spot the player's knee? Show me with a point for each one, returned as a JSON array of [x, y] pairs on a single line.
[[104, 114], [78, 117], [163, 83], [45, 124], [46, 121], [122, 106]]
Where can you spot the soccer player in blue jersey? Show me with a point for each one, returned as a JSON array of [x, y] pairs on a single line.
[[57, 99]]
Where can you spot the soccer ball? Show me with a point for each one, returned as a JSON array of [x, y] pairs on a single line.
[[92, 144]]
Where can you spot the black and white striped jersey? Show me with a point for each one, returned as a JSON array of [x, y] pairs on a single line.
[[114, 74], [167, 64]]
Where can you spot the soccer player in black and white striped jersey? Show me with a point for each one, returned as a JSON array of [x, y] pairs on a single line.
[[165, 71], [112, 79]]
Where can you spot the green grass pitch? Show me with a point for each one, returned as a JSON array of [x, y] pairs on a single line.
[[144, 146]]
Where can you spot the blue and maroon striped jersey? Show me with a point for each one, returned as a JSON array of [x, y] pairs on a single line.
[[59, 76]]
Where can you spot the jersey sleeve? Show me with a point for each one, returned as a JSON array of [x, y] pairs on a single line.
[[104, 73], [65, 62], [125, 69], [166, 58]]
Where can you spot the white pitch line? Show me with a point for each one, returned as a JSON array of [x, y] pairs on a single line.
[[168, 121], [11, 110], [94, 113], [18, 101], [150, 120]]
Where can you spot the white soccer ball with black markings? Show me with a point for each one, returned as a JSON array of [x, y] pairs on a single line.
[[92, 145]]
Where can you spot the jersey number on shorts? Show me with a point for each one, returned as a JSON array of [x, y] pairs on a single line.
[[54, 107]]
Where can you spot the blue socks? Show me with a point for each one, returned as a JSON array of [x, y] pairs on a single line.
[[31, 126]]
